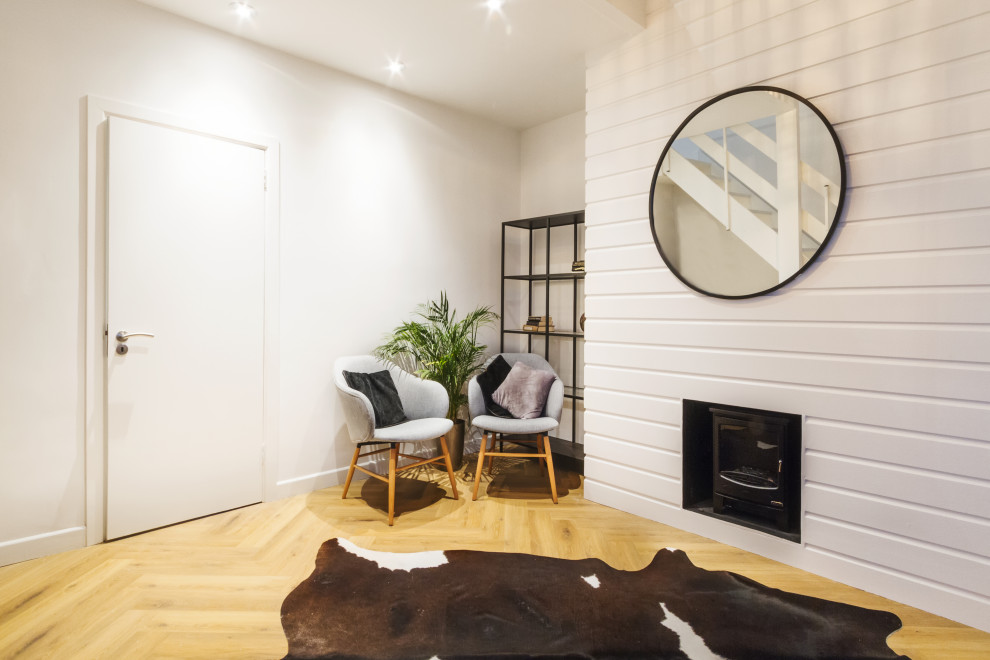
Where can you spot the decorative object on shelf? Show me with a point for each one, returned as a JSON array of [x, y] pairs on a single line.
[[577, 266], [539, 324], [582, 321], [443, 349], [747, 192]]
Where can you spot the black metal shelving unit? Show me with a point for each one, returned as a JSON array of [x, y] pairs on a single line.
[[570, 451]]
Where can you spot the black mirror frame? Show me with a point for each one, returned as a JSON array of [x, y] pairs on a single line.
[[840, 205]]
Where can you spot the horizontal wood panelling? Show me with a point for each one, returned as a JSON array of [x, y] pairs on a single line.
[[969, 191], [649, 408], [947, 380], [638, 481], [637, 156], [626, 500], [935, 231], [935, 526], [966, 458], [947, 268], [906, 484], [930, 121], [617, 210], [643, 280], [643, 255], [959, 153], [955, 78], [638, 456], [937, 82], [922, 43], [889, 200], [865, 141], [924, 305], [910, 413], [931, 562], [632, 232], [650, 434], [647, 49], [620, 185], [734, 48], [883, 345], [967, 344]]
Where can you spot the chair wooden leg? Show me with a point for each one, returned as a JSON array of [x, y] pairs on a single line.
[[450, 467], [481, 465], [393, 457], [350, 472], [491, 447], [549, 454]]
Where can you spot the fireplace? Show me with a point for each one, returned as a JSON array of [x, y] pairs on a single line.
[[743, 465]]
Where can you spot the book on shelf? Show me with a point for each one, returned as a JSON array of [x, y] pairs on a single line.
[[538, 324]]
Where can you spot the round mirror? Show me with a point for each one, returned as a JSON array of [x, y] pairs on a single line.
[[747, 192]]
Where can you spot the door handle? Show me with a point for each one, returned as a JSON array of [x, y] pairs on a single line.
[[123, 335]]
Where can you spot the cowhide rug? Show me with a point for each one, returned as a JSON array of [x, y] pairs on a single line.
[[467, 604]]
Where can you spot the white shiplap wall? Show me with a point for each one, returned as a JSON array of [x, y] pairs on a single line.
[[884, 345]]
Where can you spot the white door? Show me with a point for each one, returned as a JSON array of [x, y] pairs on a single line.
[[185, 263]]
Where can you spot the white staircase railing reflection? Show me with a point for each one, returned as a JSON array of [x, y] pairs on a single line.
[[779, 206], [726, 209]]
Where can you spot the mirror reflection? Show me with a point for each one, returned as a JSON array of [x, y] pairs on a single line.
[[747, 192]]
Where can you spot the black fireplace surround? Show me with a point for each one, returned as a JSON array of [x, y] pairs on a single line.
[[743, 465]]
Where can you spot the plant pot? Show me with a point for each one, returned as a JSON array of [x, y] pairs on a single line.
[[455, 444]]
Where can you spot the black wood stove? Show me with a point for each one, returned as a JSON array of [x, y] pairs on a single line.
[[756, 467]]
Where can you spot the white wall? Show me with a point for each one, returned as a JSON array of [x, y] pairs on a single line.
[[551, 181], [385, 200], [884, 345], [551, 163]]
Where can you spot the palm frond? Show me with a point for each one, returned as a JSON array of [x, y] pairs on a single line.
[[439, 347]]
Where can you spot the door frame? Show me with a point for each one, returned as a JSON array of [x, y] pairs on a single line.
[[95, 343]]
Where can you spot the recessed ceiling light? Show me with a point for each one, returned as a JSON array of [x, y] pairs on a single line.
[[243, 10], [494, 5], [395, 67]]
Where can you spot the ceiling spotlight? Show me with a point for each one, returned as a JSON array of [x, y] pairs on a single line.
[[395, 67], [494, 5], [243, 10]]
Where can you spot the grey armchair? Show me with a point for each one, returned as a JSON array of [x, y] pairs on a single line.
[[491, 426], [425, 405]]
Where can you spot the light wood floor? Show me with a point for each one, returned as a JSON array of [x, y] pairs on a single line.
[[212, 588]]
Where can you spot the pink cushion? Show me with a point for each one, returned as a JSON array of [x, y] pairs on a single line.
[[524, 391]]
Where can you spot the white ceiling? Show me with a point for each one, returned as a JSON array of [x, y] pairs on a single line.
[[520, 67]]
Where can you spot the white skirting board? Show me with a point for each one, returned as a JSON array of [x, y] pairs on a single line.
[[310, 482], [32, 547]]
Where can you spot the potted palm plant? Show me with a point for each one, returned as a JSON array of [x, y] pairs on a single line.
[[436, 346]]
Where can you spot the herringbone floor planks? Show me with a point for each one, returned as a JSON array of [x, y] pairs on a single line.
[[212, 588]]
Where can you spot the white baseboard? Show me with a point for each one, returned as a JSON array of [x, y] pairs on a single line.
[[41, 545], [327, 479], [310, 482], [968, 609]]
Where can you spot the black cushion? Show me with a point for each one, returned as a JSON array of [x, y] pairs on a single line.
[[380, 390], [489, 380]]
